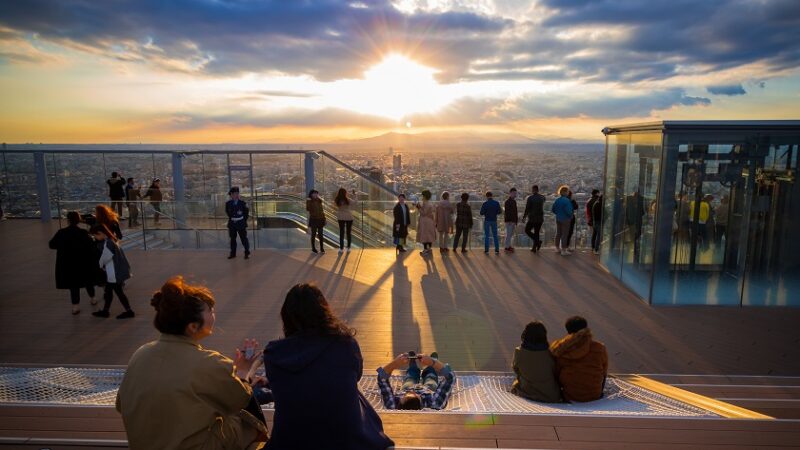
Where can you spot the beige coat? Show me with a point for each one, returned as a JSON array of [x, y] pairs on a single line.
[[345, 211], [444, 216], [426, 228], [178, 395]]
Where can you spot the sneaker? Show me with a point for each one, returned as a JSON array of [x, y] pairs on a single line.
[[231, 256], [314, 250], [126, 315], [102, 313], [402, 249], [246, 255], [76, 309], [348, 249], [497, 252], [565, 253]]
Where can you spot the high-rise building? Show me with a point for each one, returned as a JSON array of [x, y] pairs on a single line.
[[397, 164]]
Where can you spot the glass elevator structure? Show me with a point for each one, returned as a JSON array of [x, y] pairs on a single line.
[[704, 212]]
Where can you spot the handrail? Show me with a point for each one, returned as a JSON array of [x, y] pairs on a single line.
[[352, 169]]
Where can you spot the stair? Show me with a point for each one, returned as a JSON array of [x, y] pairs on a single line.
[[136, 239]]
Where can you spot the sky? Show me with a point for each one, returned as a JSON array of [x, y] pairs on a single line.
[[306, 71]]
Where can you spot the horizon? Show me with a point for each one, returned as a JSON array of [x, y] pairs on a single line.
[[318, 72]]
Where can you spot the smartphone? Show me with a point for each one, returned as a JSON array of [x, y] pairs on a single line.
[[249, 352]]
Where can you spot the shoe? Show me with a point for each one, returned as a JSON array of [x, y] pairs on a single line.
[[533, 249], [538, 246], [322, 250], [486, 252], [463, 250], [497, 252], [246, 255], [231, 256], [76, 309], [314, 250], [126, 315], [93, 301], [348, 249], [102, 313], [565, 253], [341, 251], [402, 249]]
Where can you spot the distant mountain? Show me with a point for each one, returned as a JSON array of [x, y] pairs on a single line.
[[450, 140]]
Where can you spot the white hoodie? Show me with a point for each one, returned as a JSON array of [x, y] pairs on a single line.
[[107, 262]]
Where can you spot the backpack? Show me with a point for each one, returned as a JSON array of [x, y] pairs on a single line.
[[122, 268]]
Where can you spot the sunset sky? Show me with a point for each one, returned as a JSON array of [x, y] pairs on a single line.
[[247, 71]]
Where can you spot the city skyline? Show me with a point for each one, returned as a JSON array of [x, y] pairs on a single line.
[[322, 71]]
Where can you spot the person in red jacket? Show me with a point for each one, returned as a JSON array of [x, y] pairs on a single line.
[[581, 362]]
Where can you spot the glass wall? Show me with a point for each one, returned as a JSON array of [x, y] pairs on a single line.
[[709, 220], [633, 165]]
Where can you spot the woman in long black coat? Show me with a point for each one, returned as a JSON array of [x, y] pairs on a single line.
[[76, 260], [313, 373], [402, 218]]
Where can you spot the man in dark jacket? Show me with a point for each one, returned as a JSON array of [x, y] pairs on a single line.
[[420, 389], [581, 362], [511, 218], [238, 213], [116, 190], [534, 212], [463, 222], [76, 260], [490, 209], [402, 218]]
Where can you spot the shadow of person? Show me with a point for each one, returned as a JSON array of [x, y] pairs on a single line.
[[405, 329]]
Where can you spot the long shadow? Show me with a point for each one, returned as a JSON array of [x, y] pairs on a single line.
[[405, 329]]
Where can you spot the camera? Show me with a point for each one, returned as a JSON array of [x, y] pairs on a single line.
[[412, 355]]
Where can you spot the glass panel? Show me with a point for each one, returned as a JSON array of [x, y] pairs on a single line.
[[612, 247], [21, 199]]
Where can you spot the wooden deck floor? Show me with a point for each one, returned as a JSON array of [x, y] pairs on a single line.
[[470, 308]]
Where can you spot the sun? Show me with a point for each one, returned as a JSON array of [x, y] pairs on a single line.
[[395, 88]]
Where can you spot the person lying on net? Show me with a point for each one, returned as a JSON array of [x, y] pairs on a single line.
[[422, 388]]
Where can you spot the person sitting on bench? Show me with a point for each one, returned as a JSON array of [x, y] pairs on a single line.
[[421, 387]]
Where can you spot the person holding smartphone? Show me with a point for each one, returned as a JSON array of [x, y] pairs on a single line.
[[421, 388]]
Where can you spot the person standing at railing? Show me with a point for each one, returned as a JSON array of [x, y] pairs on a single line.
[[316, 219], [490, 210], [426, 224], [463, 222], [402, 219], [116, 190], [511, 217], [444, 221], [594, 216], [155, 196], [572, 221], [534, 212], [133, 194], [344, 215], [563, 210], [238, 214]]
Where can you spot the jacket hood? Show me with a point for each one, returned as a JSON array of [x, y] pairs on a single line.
[[573, 346], [297, 352]]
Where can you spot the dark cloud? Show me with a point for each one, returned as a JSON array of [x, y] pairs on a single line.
[[729, 89], [589, 40]]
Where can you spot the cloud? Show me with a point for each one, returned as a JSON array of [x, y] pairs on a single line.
[[729, 89]]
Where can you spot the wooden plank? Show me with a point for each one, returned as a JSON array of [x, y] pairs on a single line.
[[669, 423], [62, 424], [533, 444], [657, 435], [752, 391]]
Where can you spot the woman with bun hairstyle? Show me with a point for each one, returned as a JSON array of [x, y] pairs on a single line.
[[313, 373], [177, 394]]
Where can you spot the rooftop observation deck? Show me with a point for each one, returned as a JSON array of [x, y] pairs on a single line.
[[470, 308]]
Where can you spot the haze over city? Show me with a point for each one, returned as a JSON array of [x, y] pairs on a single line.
[[327, 71]]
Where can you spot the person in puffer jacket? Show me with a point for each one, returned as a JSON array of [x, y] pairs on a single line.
[[581, 362]]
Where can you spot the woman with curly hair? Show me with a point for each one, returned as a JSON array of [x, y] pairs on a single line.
[[177, 394], [106, 216], [313, 373]]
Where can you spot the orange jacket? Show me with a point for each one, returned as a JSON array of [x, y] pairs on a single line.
[[581, 365]]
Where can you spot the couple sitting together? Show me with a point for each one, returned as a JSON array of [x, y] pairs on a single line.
[[572, 369]]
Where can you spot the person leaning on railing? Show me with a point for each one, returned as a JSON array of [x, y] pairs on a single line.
[[176, 394]]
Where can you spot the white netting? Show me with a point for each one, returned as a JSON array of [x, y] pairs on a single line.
[[472, 394]]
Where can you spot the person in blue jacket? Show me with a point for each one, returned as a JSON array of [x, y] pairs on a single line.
[[563, 210], [313, 373], [490, 210]]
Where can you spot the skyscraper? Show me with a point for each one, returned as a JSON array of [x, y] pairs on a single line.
[[397, 165]]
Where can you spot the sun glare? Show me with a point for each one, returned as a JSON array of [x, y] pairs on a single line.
[[394, 88]]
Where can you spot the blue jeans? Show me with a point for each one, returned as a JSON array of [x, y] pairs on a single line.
[[493, 227], [413, 376]]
